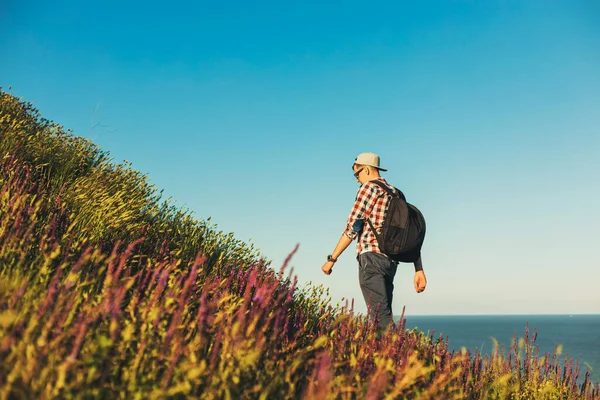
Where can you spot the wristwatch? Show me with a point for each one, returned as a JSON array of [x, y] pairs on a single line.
[[331, 259]]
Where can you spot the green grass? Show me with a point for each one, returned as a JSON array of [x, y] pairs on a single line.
[[107, 290]]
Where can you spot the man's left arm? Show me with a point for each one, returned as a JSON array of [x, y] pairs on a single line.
[[364, 199], [342, 244]]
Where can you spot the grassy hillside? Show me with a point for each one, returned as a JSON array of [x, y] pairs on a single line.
[[107, 290]]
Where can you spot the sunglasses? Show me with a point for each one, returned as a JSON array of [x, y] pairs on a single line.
[[357, 173]]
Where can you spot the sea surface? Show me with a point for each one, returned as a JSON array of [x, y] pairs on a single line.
[[579, 335]]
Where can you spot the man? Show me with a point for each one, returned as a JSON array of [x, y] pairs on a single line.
[[375, 270]]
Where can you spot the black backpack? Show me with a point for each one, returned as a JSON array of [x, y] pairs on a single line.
[[403, 229]]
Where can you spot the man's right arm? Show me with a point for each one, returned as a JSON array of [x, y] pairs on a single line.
[[420, 279], [418, 265]]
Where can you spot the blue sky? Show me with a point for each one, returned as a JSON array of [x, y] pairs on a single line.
[[486, 114]]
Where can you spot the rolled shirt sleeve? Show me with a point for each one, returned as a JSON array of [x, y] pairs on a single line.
[[365, 199]]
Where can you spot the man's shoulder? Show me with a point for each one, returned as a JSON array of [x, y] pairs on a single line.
[[368, 189], [375, 184], [369, 186], [374, 187]]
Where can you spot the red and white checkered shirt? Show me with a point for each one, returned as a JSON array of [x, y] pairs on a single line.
[[371, 202]]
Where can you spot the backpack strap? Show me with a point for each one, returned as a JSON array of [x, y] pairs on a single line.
[[389, 191]]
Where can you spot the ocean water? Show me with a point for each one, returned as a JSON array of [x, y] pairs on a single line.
[[579, 335]]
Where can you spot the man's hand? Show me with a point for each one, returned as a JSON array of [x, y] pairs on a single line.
[[327, 267], [420, 281]]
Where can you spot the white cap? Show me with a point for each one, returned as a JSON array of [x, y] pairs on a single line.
[[370, 159]]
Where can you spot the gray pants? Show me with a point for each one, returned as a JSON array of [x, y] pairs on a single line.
[[376, 277]]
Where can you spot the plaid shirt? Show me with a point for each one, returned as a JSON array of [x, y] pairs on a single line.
[[371, 202]]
